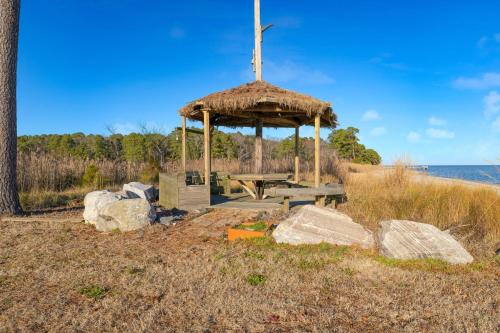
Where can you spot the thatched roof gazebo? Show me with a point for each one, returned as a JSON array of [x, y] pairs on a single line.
[[258, 104], [244, 105]]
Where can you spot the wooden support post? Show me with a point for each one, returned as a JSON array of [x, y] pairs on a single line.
[[320, 201], [258, 42], [297, 162], [317, 124], [286, 204], [206, 141], [184, 143], [258, 146]]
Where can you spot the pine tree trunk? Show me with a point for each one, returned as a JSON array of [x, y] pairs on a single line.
[[9, 29]]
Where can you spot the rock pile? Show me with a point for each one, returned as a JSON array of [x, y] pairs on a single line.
[[396, 239], [125, 211]]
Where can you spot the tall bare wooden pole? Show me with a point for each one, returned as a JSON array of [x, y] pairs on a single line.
[[206, 139], [317, 124], [258, 146], [9, 31], [258, 43], [297, 163], [184, 143]]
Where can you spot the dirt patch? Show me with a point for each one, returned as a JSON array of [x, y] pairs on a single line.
[[62, 276]]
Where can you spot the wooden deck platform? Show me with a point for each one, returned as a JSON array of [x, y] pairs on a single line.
[[245, 201]]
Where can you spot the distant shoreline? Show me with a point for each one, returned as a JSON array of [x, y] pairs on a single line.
[[422, 176]]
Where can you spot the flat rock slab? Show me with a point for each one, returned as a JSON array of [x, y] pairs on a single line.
[[313, 225], [400, 239]]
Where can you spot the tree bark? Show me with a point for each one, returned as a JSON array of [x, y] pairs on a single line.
[[9, 31]]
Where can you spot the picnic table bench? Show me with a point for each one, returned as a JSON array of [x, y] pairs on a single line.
[[320, 194], [254, 183]]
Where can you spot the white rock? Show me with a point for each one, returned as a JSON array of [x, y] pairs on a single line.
[[95, 201], [126, 215], [402, 239], [313, 225], [139, 190]]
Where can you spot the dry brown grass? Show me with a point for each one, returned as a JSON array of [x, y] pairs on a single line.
[[68, 277], [471, 213]]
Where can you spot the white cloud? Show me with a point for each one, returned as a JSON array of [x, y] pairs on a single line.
[[177, 33], [289, 71], [496, 124], [485, 81], [370, 115], [439, 133], [487, 42], [434, 121], [491, 103], [378, 131], [413, 137]]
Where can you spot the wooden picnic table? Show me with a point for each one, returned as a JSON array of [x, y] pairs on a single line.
[[254, 183]]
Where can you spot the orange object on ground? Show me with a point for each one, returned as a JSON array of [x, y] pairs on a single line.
[[233, 234]]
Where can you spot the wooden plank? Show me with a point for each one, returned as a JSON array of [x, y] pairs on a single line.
[[297, 164], [252, 205], [248, 189], [258, 146], [306, 191], [317, 124], [265, 177]]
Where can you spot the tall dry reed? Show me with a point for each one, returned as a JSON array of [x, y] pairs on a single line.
[[51, 173], [471, 213]]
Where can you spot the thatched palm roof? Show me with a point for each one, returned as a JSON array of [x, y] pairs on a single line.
[[277, 107]]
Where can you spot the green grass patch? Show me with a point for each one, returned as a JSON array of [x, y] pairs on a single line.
[[256, 279], [93, 291], [258, 226], [254, 255], [308, 264]]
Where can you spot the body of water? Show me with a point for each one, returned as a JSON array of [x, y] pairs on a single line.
[[478, 173]]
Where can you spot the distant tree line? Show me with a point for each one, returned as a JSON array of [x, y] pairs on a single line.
[[345, 141], [157, 148]]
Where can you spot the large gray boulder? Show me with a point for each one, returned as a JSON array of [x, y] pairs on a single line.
[[402, 239], [313, 225], [95, 201], [126, 215], [139, 190]]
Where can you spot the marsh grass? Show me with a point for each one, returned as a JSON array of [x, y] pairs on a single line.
[[470, 213]]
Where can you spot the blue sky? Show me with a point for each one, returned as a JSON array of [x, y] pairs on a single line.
[[418, 78]]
